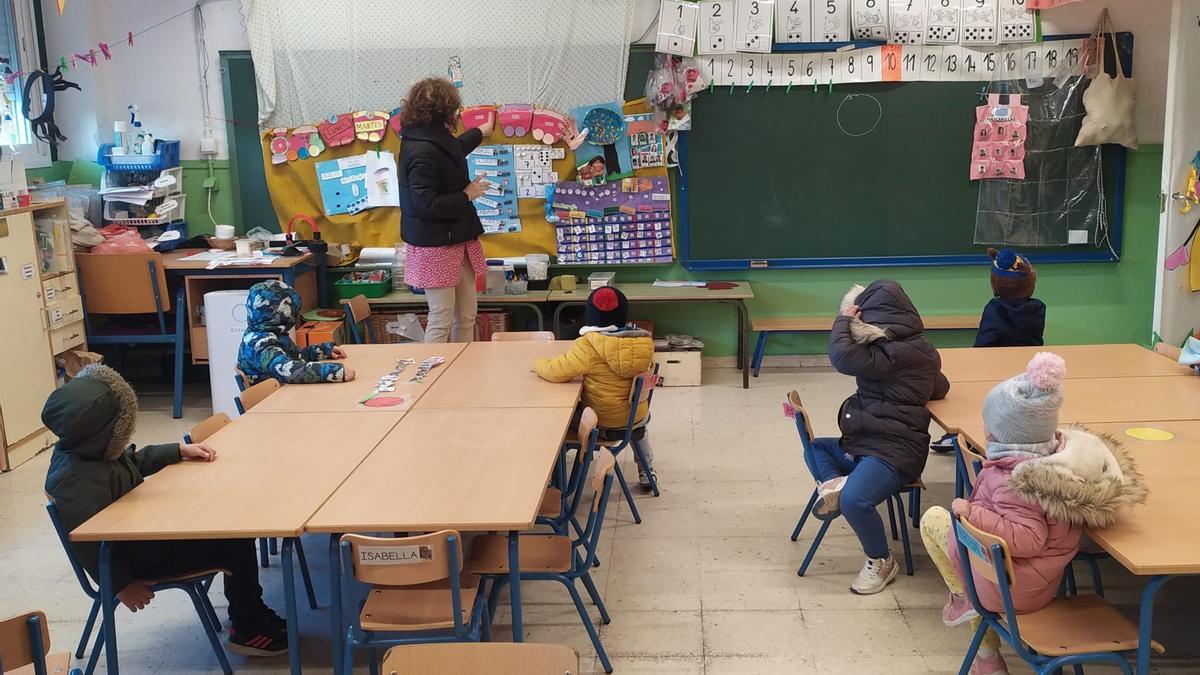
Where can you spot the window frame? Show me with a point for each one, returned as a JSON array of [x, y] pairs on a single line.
[[36, 153]]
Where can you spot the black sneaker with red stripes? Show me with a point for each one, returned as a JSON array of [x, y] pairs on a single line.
[[269, 639]]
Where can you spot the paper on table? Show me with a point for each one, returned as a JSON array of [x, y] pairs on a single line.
[[207, 256], [661, 283]]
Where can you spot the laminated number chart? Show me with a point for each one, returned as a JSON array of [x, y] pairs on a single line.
[[627, 221], [497, 208]]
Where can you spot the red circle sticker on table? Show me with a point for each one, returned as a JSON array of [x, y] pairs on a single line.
[[384, 401]]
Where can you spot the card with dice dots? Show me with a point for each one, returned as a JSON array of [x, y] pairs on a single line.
[[676, 27], [793, 21], [942, 22], [979, 21], [907, 19], [715, 34], [831, 21], [1016, 22], [753, 28], [869, 19]]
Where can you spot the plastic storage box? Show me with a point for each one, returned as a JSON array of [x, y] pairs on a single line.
[[347, 287], [166, 156]]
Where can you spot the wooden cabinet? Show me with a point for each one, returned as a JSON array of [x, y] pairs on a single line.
[[43, 317]]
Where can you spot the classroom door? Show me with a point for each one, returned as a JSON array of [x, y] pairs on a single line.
[[1177, 306]]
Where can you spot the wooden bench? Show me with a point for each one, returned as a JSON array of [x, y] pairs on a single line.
[[767, 326]]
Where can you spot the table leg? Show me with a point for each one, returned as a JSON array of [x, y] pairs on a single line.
[[289, 600], [108, 604], [514, 585], [556, 325], [335, 600], [1146, 622], [541, 320], [743, 327]]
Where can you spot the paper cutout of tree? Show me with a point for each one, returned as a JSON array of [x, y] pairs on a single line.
[[603, 132]]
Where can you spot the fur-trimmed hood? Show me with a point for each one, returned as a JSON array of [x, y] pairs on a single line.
[[887, 313], [93, 415], [1088, 482]]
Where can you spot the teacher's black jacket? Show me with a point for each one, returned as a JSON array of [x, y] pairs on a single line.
[[432, 176]]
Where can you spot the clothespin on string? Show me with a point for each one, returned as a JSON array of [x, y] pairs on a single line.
[[105, 51], [749, 86], [712, 85], [788, 90], [62, 63], [731, 89], [129, 38], [769, 85], [831, 85]]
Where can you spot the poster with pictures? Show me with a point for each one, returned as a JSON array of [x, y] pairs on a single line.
[[979, 21], [1016, 22], [645, 141], [535, 169], [942, 19], [793, 21], [351, 184], [628, 221], [869, 19], [605, 155], [497, 208], [676, 27], [831, 20], [908, 21], [715, 33], [755, 19]]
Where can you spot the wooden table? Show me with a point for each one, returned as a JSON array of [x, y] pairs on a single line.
[[271, 474], [533, 300], [1083, 361], [173, 261], [500, 375], [649, 293], [369, 363]]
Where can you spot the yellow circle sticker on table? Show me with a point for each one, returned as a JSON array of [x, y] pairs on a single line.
[[1149, 434]]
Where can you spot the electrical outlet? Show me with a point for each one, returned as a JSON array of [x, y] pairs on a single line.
[[209, 184]]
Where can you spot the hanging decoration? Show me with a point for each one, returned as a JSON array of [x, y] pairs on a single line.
[[43, 124]]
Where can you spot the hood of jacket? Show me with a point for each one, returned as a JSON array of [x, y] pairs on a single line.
[[272, 307], [1087, 482], [627, 358], [887, 313], [93, 415]]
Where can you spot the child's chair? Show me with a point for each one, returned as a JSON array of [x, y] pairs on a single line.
[[1168, 350], [195, 585], [255, 394], [804, 427], [358, 315], [25, 641], [418, 593], [642, 390], [1067, 632], [523, 336], [555, 557], [200, 433], [968, 465], [559, 505], [483, 658]]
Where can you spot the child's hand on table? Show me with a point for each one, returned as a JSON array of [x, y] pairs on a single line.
[[339, 353], [136, 595], [197, 451], [961, 508], [347, 374]]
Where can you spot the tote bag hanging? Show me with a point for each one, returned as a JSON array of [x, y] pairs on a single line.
[[1109, 100]]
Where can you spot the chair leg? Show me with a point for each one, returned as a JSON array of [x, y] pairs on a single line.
[[637, 517], [177, 403], [347, 657], [494, 596], [212, 612], [892, 519], [759, 349], [812, 550], [273, 546], [373, 665], [87, 629], [264, 553], [193, 592], [96, 649], [1097, 582], [308, 585], [591, 589], [914, 507], [637, 453], [908, 565], [587, 623], [965, 669], [812, 501]]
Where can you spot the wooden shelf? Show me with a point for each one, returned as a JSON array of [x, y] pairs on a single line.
[[40, 206]]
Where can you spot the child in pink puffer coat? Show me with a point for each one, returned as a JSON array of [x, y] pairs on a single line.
[[1038, 489]]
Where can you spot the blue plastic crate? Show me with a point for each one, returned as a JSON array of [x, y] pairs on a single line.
[[179, 226], [166, 156]]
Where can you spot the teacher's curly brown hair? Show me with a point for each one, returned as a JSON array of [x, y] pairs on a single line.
[[432, 101]]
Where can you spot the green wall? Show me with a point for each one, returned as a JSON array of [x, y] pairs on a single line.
[[1086, 303]]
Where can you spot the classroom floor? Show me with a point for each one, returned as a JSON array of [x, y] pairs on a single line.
[[706, 584]]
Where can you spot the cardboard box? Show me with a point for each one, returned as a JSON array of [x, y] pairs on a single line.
[[678, 369], [315, 332]]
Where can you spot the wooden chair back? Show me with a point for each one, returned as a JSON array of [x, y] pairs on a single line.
[[971, 457], [606, 463], [642, 387], [256, 393], [123, 283], [242, 379], [210, 426], [17, 640], [803, 423], [405, 561], [523, 336], [1168, 350], [979, 545], [588, 421], [358, 311], [481, 658]]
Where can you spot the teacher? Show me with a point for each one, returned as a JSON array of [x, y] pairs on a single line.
[[439, 226]]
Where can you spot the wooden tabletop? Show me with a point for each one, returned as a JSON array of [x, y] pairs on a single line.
[[1159, 537], [500, 375], [410, 298], [650, 292], [469, 469], [171, 261], [369, 363], [271, 474], [1083, 361]]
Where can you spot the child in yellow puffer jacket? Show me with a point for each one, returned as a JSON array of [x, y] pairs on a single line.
[[608, 354]]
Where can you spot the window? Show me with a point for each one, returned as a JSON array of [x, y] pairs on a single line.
[[18, 52]]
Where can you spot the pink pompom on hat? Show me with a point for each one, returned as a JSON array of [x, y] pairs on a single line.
[[1024, 409]]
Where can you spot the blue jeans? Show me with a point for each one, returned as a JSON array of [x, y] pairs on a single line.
[[870, 481]]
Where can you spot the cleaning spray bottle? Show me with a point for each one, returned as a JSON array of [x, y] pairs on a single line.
[[136, 135]]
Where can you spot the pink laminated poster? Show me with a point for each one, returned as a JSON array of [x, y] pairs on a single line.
[[477, 116], [370, 125], [305, 143], [337, 130], [515, 119], [279, 145], [394, 121], [548, 126], [999, 147]]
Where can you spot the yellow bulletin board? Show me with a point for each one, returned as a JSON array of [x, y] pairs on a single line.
[[293, 189]]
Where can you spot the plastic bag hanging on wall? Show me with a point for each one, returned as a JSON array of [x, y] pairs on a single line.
[[998, 150]]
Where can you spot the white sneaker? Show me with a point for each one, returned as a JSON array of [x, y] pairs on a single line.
[[829, 493], [875, 575]]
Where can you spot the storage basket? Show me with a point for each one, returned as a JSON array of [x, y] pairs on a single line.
[[166, 156], [135, 215], [347, 288], [487, 322]]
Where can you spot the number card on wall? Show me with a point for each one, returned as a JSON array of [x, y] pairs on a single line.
[[754, 20], [870, 19], [793, 21], [790, 68], [979, 20], [910, 65], [942, 22], [676, 27], [872, 64], [931, 63], [716, 27], [952, 66], [831, 20], [1016, 22], [908, 21], [727, 68]]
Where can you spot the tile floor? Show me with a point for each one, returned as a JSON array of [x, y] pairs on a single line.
[[706, 584]]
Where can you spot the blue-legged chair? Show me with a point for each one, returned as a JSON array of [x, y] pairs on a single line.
[[358, 315], [210, 426], [195, 584], [555, 557], [1069, 631], [125, 284], [254, 395], [416, 593], [616, 440], [559, 504], [25, 641], [895, 503], [526, 658]]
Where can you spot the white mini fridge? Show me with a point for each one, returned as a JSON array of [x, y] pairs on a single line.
[[225, 317]]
